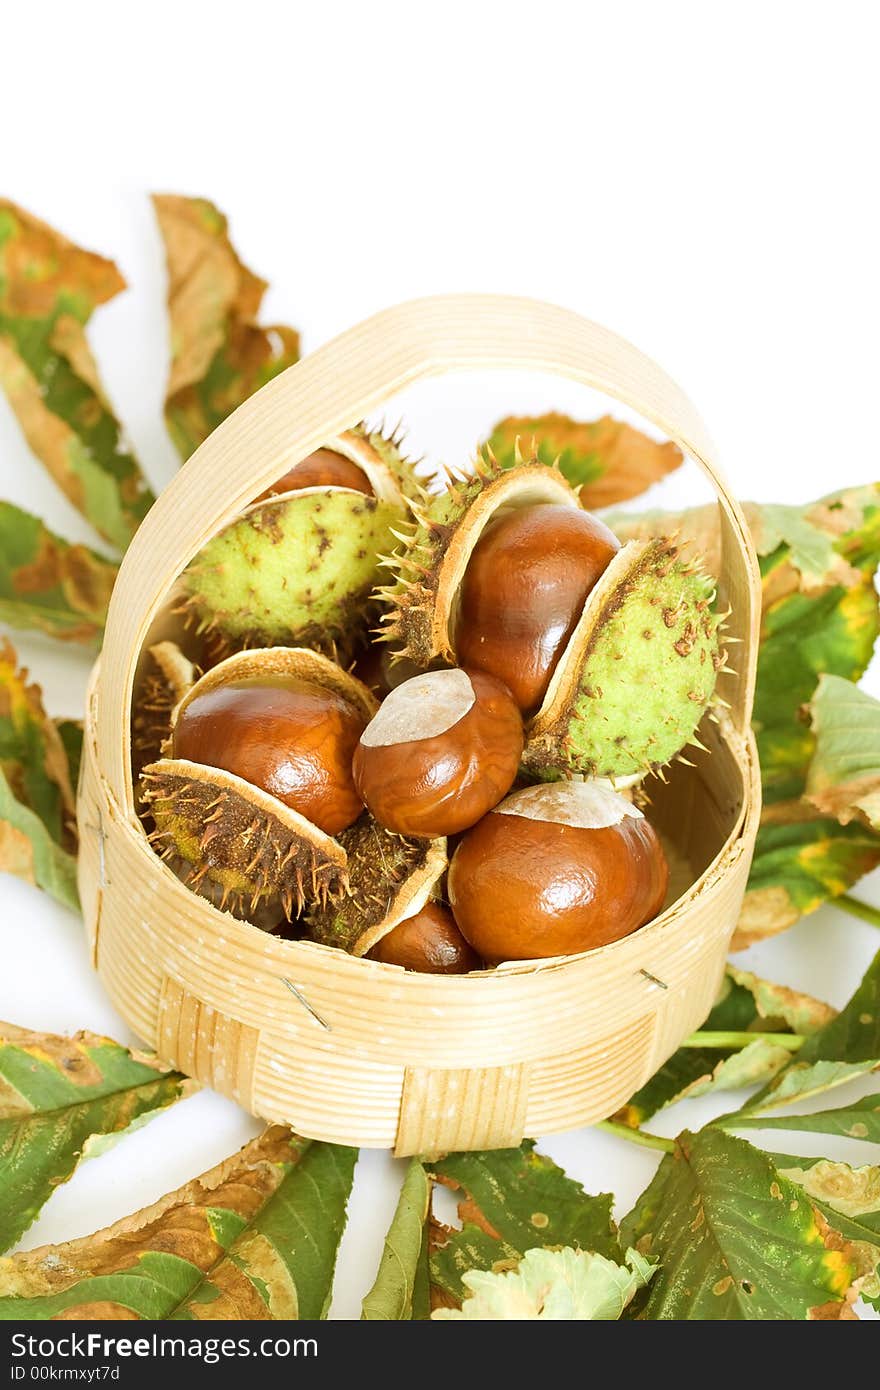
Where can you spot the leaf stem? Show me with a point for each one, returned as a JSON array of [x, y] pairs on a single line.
[[790, 1041], [637, 1136], [858, 909]]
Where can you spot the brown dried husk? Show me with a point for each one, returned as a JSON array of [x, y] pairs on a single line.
[[169, 675], [391, 877], [300, 662]]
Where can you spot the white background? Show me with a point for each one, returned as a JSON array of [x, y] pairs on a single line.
[[699, 177]]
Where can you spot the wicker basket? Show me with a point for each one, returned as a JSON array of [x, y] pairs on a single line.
[[352, 1050]]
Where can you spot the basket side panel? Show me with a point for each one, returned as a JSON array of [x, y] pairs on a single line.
[[587, 1085], [217, 1050], [91, 858], [444, 1111]]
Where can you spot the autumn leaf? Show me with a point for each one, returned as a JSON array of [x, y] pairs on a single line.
[[254, 1238], [607, 460], [513, 1200], [736, 1240], [844, 776], [401, 1292], [37, 811], [49, 585], [49, 289], [846, 1047], [746, 1004], [557, 1285], [28, 851], [32, 755], [798, 867], [57, 1096], [219, 354], [849, 1200]]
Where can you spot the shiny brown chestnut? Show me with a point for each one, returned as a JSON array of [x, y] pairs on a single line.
[[442, 751], [323, 468], [288, 736], [524, 590], [429, 942], [554, 870]]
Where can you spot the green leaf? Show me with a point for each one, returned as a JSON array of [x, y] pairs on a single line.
[[33, 758], [57, 1096], [28, 850], [514, 1200], [394, 1296], [219, 354], [49, 289], [858, 1120], [844, 776], [804, 635], [570, 1285], [254, 1238], [607, 459], [48, 585], [847, 1047], [746, 1003], [70, 731], [736, 1240]]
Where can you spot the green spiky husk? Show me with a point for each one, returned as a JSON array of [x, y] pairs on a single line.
[[219, 843], [412, 598], [297, 571], [647, 674], [379, 865], [399, 465]]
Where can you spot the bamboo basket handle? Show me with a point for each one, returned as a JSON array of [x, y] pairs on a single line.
[[345, 380]]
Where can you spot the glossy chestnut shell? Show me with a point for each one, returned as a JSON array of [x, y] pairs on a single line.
[[521, 888], [429, 942], [442, 783], [288, 736], [323, 468], [524, 590]]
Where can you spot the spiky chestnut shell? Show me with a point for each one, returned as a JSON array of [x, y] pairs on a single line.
[[222, 834], [430, 565], [299, 567], [390, 878], [165, 677], [638, 673]]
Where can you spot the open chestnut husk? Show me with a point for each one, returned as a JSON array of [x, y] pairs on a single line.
[[389, 878], [256, 780], [523, 591], [443, 749], [554, 870], [626, 689], [298, 567]]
